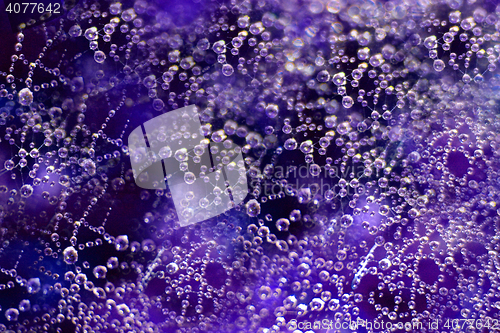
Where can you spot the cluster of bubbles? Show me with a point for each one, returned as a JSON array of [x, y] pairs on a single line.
[[369, 131]]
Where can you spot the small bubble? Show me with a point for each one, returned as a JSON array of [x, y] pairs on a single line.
[[346, 220], [33, 285], [91, 33], [24, 305], [25, 97], [115, 8], [165, 152], [377, 60], [26, 191], [12, 314], [253, 208], [347, 102], [75, 31], [100, 272], [323, 76], [256, 28], [181, 154], [430, 42], [468, 23], [189, 178], [172, 268], [70, 255], [204, 203], [227, 70], [128, 15], [455, 17], [306, 147], [219, 46], [290, 144], [295, 215], [112, 263], [99, 57], [272, 110], [339, 79], [121, 243], [438, 65], [282, 224], [158, 104]]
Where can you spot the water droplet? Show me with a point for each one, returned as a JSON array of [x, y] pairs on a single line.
[[189, 178], [227, 70], [70, 255], [253, 208], [25, 97], [346, 220], [272, 110], [26, 191], [121, 243], [282, 224], [347, 102], [33, 285], [75, 31], [100, 272], [12, 314], [323, 76], [99, 57], [438, 65], [91, 33], [172, 268], [290, 144]]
